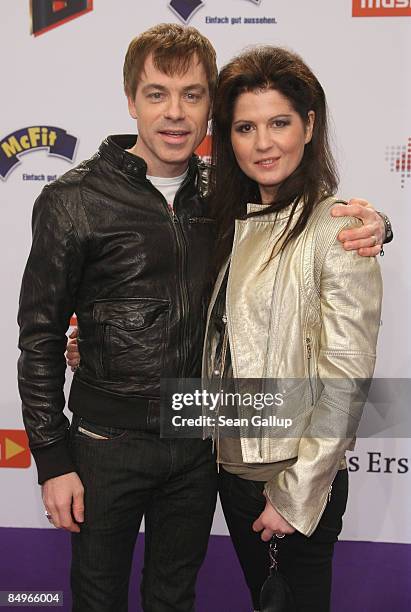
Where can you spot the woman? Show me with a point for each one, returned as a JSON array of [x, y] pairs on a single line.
[[289, 304]]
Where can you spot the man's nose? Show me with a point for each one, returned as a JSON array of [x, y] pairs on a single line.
[[175, 108]]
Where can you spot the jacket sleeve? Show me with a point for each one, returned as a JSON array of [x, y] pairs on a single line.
[[350, 299], [47, 301]]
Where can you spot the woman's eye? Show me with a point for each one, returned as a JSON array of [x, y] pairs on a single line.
[[245, 128], [279, 123]]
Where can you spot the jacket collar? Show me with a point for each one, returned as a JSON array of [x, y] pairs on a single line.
[[282, 214], [113, 148]]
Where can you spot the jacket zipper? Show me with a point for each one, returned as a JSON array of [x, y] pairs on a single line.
[[203, 220], [328, 496], [105, 344], [185, 301], [222, 368], [309, 357], [182, 258]]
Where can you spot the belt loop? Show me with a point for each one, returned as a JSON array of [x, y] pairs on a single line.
[[153, 415]]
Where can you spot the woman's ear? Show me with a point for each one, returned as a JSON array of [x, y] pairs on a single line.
[[309, 126]]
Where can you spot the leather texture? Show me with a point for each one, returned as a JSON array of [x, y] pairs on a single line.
[[309, 318], [107, 247], [276, 595]]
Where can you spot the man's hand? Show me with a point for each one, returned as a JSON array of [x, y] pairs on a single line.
[[270, 522], [72, 354], [63, 498], [367, 240]]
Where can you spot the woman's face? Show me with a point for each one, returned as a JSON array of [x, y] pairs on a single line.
[[268, 138]]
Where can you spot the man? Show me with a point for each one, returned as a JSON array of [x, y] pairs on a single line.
[[122, 241]]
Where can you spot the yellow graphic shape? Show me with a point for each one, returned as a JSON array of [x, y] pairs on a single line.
[[13, 449]]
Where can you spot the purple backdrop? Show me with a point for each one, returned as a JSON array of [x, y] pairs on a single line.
[[368, 577]]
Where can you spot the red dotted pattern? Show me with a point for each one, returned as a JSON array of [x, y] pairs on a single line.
[[399, 158]]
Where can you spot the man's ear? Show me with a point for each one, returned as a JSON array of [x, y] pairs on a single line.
[[132, 107], [309, 126]]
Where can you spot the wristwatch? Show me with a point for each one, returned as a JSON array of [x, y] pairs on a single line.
[[388, 228]]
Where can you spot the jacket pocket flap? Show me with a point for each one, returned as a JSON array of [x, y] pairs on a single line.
[[129, 314]]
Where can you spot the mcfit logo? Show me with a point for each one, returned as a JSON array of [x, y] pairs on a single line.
[[28, 139], [381, 8], [14, 449], [48, 14], [185, 9]]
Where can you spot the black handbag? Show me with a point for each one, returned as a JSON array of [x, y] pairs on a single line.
[[276, 595]]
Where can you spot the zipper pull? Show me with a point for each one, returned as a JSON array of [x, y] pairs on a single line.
[[329, 493], [308, 343], [172, 211]]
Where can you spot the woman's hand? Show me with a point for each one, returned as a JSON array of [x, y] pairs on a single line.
[[270, 522], [72, 352]]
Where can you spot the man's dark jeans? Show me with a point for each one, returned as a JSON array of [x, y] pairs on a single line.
[[306, 563], [125, 476]]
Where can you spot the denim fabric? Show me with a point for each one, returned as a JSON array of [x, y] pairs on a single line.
[[130, 474], [306, 563]]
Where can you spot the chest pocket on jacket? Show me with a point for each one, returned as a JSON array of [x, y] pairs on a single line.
[[133, 336]]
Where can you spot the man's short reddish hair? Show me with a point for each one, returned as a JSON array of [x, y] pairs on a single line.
[[173, 47]]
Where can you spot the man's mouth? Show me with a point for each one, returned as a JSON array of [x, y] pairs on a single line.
[[177, 134]]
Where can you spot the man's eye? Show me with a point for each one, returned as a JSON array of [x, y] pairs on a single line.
[[192, 97], [155, 95]]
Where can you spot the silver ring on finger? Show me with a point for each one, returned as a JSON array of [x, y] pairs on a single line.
[[280, 535]]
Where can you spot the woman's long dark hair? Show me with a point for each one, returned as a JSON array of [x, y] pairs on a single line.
[[261, 68]]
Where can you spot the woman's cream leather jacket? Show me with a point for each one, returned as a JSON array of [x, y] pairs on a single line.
[[308, 317]]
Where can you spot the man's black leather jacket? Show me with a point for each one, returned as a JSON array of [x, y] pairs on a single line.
[[107, 247]]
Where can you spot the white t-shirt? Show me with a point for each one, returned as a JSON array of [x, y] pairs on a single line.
[[168, 187]]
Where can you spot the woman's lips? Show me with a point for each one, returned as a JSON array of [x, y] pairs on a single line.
[[267, 163]]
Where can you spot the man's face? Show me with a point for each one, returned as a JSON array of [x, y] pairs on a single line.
[[172, 114]]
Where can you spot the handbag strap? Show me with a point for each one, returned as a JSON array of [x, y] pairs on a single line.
[[273, 553]]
